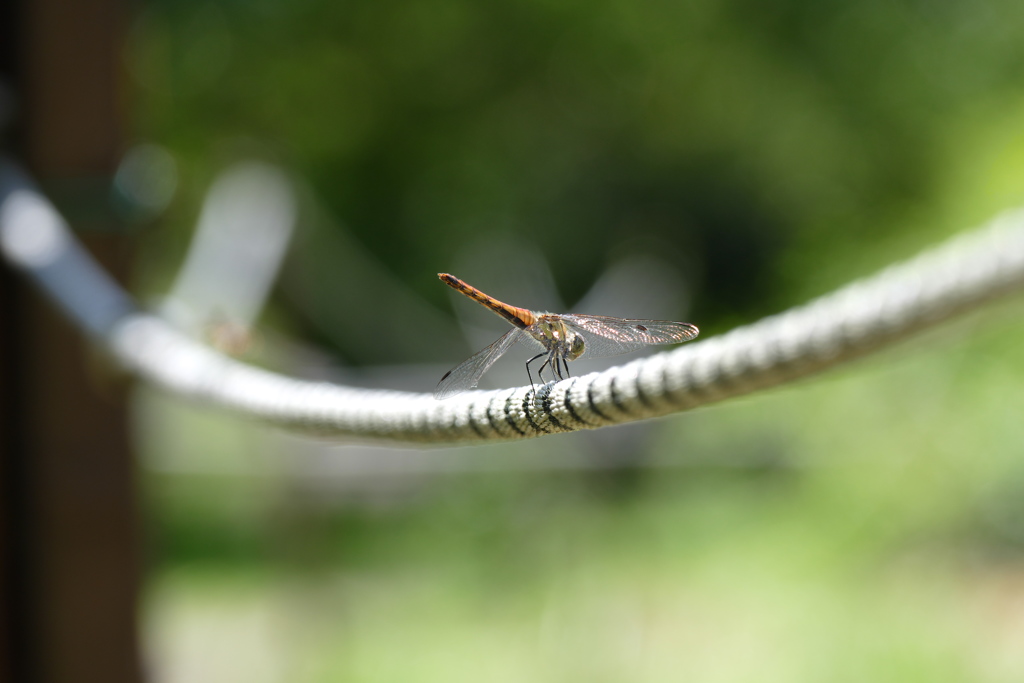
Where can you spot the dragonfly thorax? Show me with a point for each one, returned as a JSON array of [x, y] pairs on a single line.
[[557, 338]]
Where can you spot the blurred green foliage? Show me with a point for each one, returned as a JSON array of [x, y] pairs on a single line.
[[865, 526], [727, 134]]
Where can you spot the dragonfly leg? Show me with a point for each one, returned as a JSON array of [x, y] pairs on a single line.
[[530, 376], [556, 363], [540, 371], [551, 362]]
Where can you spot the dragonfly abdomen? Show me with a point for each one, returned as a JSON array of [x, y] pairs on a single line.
[[520, 317]]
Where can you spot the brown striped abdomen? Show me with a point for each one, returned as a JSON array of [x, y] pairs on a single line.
[[520, 317]]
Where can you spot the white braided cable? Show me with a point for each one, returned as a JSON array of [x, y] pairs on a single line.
[[862, 317]]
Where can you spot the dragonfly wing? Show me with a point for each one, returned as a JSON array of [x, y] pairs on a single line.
[[467, 374], [606, 336]]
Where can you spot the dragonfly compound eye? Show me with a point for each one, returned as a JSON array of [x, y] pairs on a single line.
[[576, 348]]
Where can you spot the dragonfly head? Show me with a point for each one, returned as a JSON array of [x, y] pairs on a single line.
[[576, 347]]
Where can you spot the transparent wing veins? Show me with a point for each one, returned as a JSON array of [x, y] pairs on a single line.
[[466, 375], [606, 336]]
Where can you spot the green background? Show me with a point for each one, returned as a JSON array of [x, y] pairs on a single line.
[[866, 525]]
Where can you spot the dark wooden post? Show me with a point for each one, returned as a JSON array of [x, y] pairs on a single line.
[[68, 519]]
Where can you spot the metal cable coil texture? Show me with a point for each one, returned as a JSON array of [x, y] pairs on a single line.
[[948, 280], [850, 322]]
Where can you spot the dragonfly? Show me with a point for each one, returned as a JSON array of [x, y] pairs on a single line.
[[564, 337]]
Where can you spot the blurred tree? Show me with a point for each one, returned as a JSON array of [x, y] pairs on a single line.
[[721, 131]]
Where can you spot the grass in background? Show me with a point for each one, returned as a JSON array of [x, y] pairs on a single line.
[[862, 526], [865, 525]]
